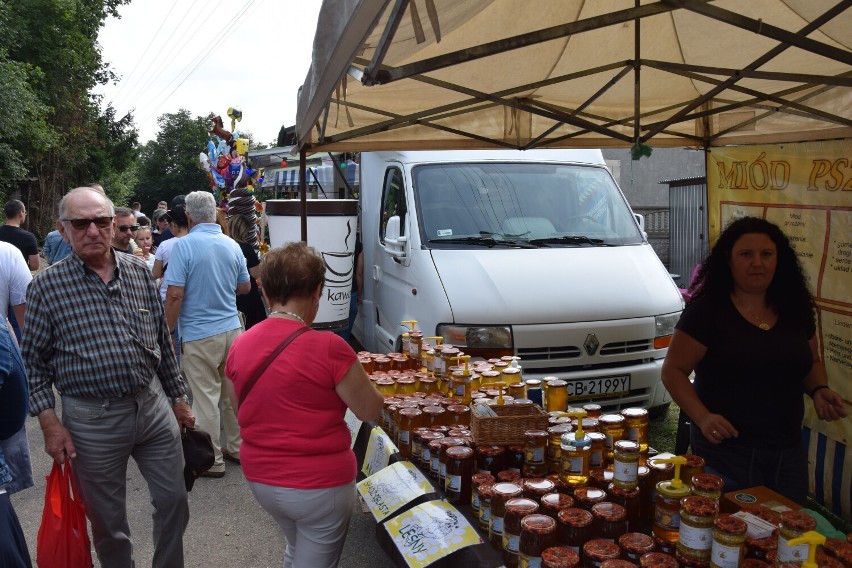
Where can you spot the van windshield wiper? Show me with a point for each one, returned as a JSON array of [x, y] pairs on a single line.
[[486, 241], [570, 240]]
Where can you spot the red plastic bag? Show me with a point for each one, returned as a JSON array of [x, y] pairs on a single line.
[[63, 537]]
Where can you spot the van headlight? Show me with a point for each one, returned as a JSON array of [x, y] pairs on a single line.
[[477, 336], [664, 328]]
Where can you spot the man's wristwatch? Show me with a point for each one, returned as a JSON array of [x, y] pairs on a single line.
[[182, 399]]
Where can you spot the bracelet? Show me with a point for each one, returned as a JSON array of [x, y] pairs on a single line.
[[817, 389]]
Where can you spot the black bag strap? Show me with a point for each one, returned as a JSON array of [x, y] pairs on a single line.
[[260, 370]]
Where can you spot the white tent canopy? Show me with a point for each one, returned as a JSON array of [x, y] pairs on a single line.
[[576, 73]]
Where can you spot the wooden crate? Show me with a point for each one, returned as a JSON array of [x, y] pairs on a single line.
[[508, 427]]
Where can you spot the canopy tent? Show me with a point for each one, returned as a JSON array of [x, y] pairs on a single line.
[[420, 74]]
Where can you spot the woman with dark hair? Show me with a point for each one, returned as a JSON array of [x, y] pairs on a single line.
[[296, 453], [251, 304], [748, 332]]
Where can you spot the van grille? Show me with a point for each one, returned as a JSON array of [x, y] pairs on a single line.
[[622, 347], [548, 353]]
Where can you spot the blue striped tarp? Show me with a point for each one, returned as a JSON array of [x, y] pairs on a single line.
[[830, 467]]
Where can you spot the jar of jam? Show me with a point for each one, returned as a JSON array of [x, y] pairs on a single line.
[[501, 493], [509, 476], [793, 525], [630, 500], [434, 415], [409, 419], [636, 424], [560, 557], [575, 527], [554, 447], [693, 466], [708, 485], [459, 414], [557, 395], [516, 510], [626, 464], [476, 480], [484, 518], [610, 520], [538, 532], [417, 444], [434, 455], [658, 560], [552, 503], [600, 478], [598, 550], [445, 444], [695, 538], [763, 549], [459, 470], [612, 426], [515, 458], [535, 452], [489, 459], [729, 535], [634, 546], [537, 487], [596, 455], [586, 496], [617, 563], [754, 563]]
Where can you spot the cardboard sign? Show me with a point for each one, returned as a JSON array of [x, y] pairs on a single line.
[[388, 490], [429, 532], [353, 424], [379, 450]]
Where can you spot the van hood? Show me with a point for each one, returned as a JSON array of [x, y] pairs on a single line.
[[543, 285]]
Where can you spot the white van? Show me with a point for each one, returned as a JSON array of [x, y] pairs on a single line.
[[533, 253]]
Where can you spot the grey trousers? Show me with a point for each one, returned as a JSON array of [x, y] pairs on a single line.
[[106, 433]]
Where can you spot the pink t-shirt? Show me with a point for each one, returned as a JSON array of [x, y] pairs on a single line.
[[292, 422]]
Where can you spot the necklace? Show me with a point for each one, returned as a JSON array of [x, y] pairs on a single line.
[[297, 316], [761, 323]]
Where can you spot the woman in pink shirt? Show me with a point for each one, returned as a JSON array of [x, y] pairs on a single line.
[[296, 453]]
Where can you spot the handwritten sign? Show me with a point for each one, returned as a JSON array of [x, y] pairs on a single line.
[[429, 532], [379, 450], [388, 490], [353, 424]]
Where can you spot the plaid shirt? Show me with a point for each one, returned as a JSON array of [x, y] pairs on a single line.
[[96, 340]]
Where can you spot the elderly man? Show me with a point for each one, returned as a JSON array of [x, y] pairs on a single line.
[[206, 268], [97, 332]]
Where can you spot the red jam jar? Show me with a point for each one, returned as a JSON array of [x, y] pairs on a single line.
[[552, 503], [597, 551], [560, 557], [538, 532], [575, 527], [610, 520], [516, 510]]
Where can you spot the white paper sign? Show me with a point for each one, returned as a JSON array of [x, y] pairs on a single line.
[[393, 487], [379, 450]]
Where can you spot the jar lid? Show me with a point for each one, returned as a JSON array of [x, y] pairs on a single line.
[[491, 450], [657, 465], [511, 371], [626, 447], [522, 402], [596, 436], [435, 443], [753, 563], [460, 452], [699, 506], [434, 409], [534, 383], [609, 512], [574, 517], [765, 545], [453, 441], [622, 492], [599, 549], [657, 560], [557, 383], [410, 411], [560, 557], [610, 419], [521, 505], [509, 476], [557, 501], [539, 486], [644, 471], [637, 543], [798, 521], [457, 408], [632, 413], [484, 490], [481, 477], [588, 494], [535, 434], [617, 563], [707, 482], [506, 490], [559, 429], [591, 407], [693, 461], [731, 525], [538, 524]]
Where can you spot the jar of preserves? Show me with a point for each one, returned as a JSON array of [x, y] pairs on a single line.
[[630, 500], [476, 480], [763, 549], [754, 563], [636, 426], [708, 485], [596, 455], [516, 510], [415, 349], [610, 520], [537, 487], [626, 464], [459, 471], [586, 497], [793, 525], [612, 426], [382, 364], [429, 385], [554, 447], [459, 414], [514, 458], [575, 527], [462, 385], [417, 444], [484, 517], [600, 478], [426, 451], [598, 550], [445, 444], [508, 376], [538, 532], [434, 455], [434, 415], [695, 538], [560, 557], [501, 493], [693, 466], [489, 459], [509, 476], [658, 560], [729, 535], [635, 545], [557, 395], [409, 419], [535, 452], [552, 503], [386, 386]]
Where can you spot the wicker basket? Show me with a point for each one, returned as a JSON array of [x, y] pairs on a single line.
[[508, 426]]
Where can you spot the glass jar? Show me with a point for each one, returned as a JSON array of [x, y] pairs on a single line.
[[459, 471], [695, 536], [754, 563], [409, 419], [508, 376], [434, 415], [489, 459], [415, 348], [509, 476], [658, 560], [636, 424], [667, 511], [600, 478], [708, 485], [646, 509], [693, 466], [557, 395], [589, 425], [484, 518], [626, 464], [729, 534], [534, 392], [514, 458], [552, 503], [535, 452], [538, 532], [476, 480], [516, 510], [459, 414], [575, 527], [417, 444], [635, 545], [382, 364], [630, 500], [793, 525], [405, 385], [461, 386], [586, 497], [518, 390], [429, 385], [612, 426], [537, 487], [575, 460], [598, 550], [445, 444], [386, 386], [501, 493], [610, 520], [592, 410], [554, 447], [434, 455], [388, 408], [763, 549], [596, 456], [560, 557]]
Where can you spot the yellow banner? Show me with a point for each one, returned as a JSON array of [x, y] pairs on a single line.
[[388, 490], [430, 531], [806, 189]]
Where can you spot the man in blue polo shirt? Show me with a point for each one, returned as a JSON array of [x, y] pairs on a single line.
[[206, 270]]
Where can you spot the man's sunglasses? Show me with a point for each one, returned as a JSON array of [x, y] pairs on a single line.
[[125, 228], [80, 224]]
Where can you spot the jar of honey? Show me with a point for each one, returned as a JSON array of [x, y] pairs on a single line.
[[589, 425], [617, 563], [575, 527], [630, 500], [596, 455], [459, 414], [634, 546], [626, 464], [557, 395], [598, 550], [552, 503], [538, 532], [518, 390], [409, 419], [501, 493], [434, 455], [554, 447], [489, 459], [575, 459], [729, 534], [695, 537], [534, 392], [445, 444], [385, 386], [417, 444], [612, 426], [535, 452], [592, 410], [708, 485], [667, 509], [429, 385], [382, 364], [509, 476], [610, 520], [434, 415], [586, 497], [459, 471], [636, 424], [476, 480], [516, 510], [560, 557], [415, 348], [793, 525]]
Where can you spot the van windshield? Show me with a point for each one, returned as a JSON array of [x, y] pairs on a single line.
[[463, 205]]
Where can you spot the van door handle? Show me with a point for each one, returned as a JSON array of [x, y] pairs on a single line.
[[377, 272]]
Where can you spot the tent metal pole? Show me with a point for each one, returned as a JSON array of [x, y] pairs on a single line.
[[303, 193]]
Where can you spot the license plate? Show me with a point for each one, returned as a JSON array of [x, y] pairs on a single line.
[[599, 388]]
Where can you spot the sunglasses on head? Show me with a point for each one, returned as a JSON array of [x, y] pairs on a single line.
[[125, 228], [80, 224]]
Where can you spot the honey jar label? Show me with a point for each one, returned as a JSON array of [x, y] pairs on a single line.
[[534, 456], [485, 514], [404, 436], [626, 471], [453, 482], [572, 464], [787, 553], [725, 556], [497, 525], [525, 561], [695, 538], [633, 434], [666, 519], [511, 542]]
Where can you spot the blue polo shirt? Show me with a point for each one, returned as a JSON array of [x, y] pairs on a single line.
[[209, 266]]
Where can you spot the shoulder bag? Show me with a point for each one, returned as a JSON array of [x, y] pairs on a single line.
[[260, 370]]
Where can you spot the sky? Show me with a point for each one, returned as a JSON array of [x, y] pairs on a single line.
[[206, 56]]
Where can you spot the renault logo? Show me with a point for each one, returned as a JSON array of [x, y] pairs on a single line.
[[591, 344]]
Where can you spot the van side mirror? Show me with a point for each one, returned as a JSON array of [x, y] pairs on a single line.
[[641, 220], [394, 242]]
